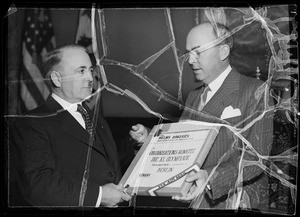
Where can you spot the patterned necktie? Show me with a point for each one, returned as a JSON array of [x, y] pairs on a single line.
[[89, 128], [203, 98], [87, 119]]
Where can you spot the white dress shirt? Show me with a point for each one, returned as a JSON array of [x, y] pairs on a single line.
[[72, 109], [216, 84]]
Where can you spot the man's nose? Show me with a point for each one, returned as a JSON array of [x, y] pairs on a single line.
[[191, 59], [89, 76]]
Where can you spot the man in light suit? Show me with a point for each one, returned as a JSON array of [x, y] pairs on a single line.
[[236, 99], [49, 146]]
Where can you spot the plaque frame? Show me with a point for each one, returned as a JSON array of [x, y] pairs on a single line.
[[134, 171]]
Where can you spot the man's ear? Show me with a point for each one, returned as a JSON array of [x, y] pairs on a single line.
[[56, 78], [224, 51]]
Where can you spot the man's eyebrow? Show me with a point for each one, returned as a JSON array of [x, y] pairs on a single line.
[[196, 48], [84, 67], [188, 51], [81, 67]]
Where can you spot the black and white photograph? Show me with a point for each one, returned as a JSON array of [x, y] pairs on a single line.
[[149, 108]]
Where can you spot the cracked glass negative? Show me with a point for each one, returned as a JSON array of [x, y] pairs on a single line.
[[141, 70], [266, 31]]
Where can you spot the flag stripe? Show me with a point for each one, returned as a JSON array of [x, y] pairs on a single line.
[[29, 90], [22, 106], [30, 102], [35, 73]]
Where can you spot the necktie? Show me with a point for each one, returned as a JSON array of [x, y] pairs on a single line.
[[203, 98], [89, 127], [87, 119]]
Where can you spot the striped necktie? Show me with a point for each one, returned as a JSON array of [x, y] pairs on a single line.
[[87, 119], [203, 98]]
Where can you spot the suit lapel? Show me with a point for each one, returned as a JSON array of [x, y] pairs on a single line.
[[100, 145], [225, 96], [68, 123], [108, 144], [71, 126]]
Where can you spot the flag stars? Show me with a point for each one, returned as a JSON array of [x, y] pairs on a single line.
[[38, 31]]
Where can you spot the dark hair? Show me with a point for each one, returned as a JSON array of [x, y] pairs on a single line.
[[52, 60], [220, 31]]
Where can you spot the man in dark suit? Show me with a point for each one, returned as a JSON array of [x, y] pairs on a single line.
[[62, 154], [236, 101]]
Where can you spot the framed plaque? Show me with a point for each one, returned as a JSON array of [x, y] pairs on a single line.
[[170, 152]]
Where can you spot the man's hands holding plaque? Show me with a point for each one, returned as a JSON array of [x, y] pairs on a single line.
[[113, 194], [198, 179], [139, 133]]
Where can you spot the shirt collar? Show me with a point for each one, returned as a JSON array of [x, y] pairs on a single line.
[[71, 107], [216, 84]]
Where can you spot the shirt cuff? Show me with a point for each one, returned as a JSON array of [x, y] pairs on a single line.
[[99, 197]]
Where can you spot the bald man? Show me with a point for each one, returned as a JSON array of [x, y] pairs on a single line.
[[232, 97]]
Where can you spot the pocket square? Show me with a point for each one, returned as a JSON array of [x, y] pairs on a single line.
[[229, 112]]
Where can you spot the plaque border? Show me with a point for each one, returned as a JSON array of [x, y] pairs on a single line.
[[162, 189]]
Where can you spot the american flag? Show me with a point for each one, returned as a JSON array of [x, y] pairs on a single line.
[[38, 39]]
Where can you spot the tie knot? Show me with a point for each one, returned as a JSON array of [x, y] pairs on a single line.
[[80, 109], [206, 89], [203, 97]]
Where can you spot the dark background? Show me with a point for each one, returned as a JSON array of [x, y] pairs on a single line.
[[134, 35]]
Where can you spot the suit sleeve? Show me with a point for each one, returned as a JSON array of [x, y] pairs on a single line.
[[260, 137], [40, 181]]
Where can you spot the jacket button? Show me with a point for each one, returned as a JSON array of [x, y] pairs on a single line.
[[110, 174]]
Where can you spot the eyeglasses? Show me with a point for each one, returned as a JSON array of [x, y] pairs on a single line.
[[196, 51]]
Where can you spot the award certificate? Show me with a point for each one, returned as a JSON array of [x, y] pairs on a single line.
[[170, 152]]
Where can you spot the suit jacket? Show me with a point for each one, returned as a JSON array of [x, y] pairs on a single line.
[[49, 152], [241, 93]]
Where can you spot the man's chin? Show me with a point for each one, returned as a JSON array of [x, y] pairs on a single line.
[[88, 91], [198, 77], [88, 95]]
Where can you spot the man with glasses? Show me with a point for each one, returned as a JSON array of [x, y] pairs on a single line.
[[225, 96]]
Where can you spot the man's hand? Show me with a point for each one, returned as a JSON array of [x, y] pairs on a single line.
[[197, 188], [138, 133], [113, 194]]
